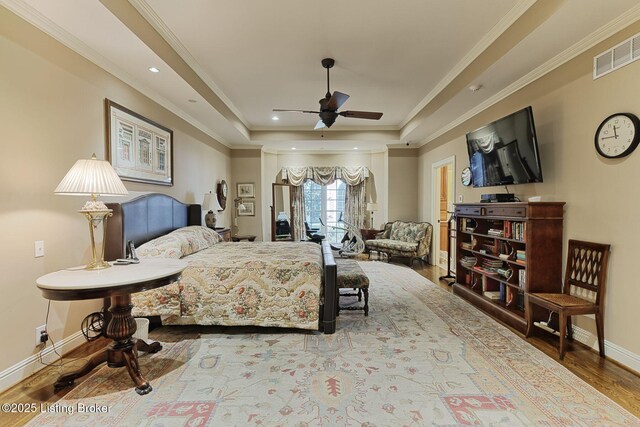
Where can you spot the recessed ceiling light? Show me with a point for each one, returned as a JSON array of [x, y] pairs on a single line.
[[293, 148], [475, 88], [275, 118], [154, 70], [355, 148], [193, 101]]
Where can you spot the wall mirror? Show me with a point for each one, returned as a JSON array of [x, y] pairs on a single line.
[[281, 213]]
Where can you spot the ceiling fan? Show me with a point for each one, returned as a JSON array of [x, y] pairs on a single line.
[[331, 102]]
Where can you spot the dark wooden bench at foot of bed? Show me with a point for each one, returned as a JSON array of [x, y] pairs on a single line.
[[351, 276], [153, 215]]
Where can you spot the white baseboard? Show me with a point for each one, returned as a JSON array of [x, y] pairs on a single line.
[[612, 351], [24, 369]]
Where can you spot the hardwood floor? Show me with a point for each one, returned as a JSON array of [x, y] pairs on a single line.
[[619, 384]]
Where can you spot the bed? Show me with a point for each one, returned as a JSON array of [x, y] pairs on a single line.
[[273, 284]]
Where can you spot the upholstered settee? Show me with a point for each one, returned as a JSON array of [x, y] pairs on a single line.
[[404, 239]]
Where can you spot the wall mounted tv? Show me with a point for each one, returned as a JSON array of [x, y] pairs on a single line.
[[505, 152]]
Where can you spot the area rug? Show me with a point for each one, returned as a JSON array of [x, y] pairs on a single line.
[[422, 357]]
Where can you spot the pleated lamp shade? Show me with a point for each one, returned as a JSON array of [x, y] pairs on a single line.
[[91, 177]]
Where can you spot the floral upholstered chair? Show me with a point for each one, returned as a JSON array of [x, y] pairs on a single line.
[[404, 239]]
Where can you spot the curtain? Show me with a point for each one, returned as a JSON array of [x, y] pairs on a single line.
[[325, 175], [297, 202], [354, 205], [354, 177]]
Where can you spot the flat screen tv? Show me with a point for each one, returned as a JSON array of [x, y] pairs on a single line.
[[505, 152]]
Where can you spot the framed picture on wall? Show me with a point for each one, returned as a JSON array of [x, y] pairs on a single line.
[[246, 190], [249, 209], [139, 149]]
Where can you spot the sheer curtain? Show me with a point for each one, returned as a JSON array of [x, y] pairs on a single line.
[[354, 177]]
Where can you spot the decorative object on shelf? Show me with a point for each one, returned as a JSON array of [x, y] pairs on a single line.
[[249, 209], [618, 135], [93, 178], [372, 207], [466, 177], [505, 272], [139, 149], [210, 203], [222, 191], [246, 190]]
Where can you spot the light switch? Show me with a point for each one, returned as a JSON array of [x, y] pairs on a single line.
[[39, 248], [460, 198]]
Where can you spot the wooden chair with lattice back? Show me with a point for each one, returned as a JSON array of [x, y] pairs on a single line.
[[583, 291]]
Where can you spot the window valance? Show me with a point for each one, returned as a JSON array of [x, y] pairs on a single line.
[[325, 175]]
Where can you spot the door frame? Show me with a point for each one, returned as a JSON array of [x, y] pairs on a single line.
[[435, 204]]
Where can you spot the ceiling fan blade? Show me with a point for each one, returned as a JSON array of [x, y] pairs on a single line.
[[336, 100], [361, 115], [297, 111], [319, 125]]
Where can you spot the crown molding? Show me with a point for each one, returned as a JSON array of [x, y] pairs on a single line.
[[37, 19], [158, 24], [507, 21], [557, 61]]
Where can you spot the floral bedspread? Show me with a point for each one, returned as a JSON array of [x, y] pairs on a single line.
[[242, 283]]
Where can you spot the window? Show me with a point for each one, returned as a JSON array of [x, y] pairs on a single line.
[[325, 202]]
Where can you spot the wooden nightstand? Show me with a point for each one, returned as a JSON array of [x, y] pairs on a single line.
[[225, 233]]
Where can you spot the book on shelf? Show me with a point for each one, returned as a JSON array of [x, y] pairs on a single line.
[[495, 232], [520, 301], [522, 278], [493, 295], [468, 224], [511, 296]]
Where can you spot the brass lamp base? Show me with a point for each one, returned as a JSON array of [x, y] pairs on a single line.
[[95, 217]]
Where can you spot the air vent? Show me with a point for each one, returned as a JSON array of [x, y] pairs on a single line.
[[616, 57]]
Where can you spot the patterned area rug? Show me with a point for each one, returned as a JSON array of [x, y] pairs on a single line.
[[422, 357]]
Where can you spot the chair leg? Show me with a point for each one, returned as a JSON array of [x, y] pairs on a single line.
[[600, 330], [563, 333], [365, 291], [529, 310], [569, 329]]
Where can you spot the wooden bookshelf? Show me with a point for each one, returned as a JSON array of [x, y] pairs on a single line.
[[517, 249]]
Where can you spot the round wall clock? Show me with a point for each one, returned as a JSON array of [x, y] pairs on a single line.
[[465, 177], [222, 192], [618, 135]]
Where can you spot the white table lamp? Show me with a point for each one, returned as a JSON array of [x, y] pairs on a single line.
[[93, 178], [210, 203]]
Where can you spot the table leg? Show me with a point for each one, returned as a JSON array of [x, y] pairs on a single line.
[[98, 358], [123, 351]]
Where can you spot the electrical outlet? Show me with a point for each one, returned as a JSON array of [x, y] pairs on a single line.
[[39, 248], [41, 336], [460, 198]]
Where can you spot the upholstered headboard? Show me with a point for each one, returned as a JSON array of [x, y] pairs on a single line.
[[145, 218]]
